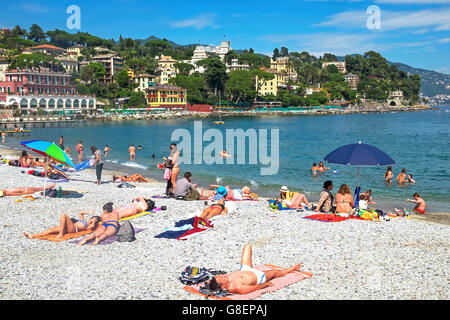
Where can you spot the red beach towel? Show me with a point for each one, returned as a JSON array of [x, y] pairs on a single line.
[[278, 283], [329, 217]]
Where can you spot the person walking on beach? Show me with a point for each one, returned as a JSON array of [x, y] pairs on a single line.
[[132, 151], [325, 203], [79, 148], [247, 279], [98, 162], [401, 177], [106, 151], [388, 175], [61, 142], [109, 227]]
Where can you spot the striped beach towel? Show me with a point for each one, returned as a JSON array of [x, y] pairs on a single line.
[[277, 284]]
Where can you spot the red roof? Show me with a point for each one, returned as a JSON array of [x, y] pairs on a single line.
[[47, 46]]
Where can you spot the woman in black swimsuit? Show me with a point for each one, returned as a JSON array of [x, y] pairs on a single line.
[[214, 210]]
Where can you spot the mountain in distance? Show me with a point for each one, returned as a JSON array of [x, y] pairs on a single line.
[[152, 37]]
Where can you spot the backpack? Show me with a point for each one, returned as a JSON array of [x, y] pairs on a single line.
[[151, 204], [126, 232], [167, 174], [192, 194]]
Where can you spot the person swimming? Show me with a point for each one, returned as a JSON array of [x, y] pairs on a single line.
[[314, 169]]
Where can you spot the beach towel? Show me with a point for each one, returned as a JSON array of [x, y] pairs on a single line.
[[137, 215], [277, 284], [198, 226], [160, 197], [67, 236], [59, 180], [325, 217], [110, 239]]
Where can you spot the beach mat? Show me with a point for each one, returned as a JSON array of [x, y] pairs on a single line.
[[67, 236], [198, 227], [110, 239], [137, 215], [278, 283], [324, 217]]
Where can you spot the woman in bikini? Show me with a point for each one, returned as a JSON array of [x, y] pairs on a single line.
[[23, 191], [401, 177], [174, 154], [321, 167], [25, 160], [344, 201], [214, 210], [68, 225], [137, 205], [314, 169], [388, 175]]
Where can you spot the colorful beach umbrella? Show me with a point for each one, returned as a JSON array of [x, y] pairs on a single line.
[[359, 154], [49, 149]]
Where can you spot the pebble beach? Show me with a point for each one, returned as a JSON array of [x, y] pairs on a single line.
[[401, 259]]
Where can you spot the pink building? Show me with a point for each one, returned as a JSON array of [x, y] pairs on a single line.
[[28, 90]]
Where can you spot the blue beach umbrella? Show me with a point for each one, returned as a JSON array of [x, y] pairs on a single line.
[[359, 154]]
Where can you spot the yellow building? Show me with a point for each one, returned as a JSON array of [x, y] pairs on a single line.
[[166, 69], [144, 81], [271, 86], [130, 74], [167, 97], [281, 64]]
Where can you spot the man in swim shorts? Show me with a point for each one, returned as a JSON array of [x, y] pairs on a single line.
[[247, 279], [132, 151], [420, 203], [109, 227], [214, 210]]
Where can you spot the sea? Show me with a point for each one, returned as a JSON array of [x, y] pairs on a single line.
[[418, 141]]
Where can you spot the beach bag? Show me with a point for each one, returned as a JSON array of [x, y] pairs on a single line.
[[53, 176], [126, 185], [151, 204], [126, 232], [167, 174], [192, 194]]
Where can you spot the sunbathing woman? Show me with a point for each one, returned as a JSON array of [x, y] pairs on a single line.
[[293, 200], [137, 205], [344, 201], [25, 160], [23, 191], [234, 194], [214, 210], [68, 225], [109, 227], [247, 279], [133, 178]]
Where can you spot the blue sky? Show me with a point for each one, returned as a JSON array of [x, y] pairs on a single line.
[[415, 32]]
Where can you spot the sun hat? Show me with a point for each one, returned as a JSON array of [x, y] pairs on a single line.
[[221, 192], [284, 189]]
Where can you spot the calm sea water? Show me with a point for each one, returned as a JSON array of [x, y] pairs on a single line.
[[418, 141]]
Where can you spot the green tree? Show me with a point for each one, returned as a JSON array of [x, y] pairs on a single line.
[[92, 72], [36, 33], [239, 85], [184, 68], [215, 74], [276, 53]]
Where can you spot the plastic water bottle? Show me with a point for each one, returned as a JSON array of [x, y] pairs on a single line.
[[60, 192]]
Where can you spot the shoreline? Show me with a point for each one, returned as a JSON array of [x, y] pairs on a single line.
[[438, 216]]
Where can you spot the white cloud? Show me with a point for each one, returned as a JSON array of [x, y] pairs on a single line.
[[200, 22], [436, 19], [444, 40]]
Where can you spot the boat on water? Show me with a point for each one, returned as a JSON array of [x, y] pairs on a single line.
[[219, 122]]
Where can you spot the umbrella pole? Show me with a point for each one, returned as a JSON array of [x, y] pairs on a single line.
[[45, 173], [357, 179]]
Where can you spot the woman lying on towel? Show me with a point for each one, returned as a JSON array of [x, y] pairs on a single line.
[[214, 210], [23, 191], [233, 194], [247, 279], [109, 227], [133, 178], [137, 205], [68, 225]]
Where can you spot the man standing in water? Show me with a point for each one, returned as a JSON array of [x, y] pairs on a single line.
[[132, 151], [106, 150]]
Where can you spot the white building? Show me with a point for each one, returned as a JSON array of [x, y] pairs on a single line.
[[201, 52]]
